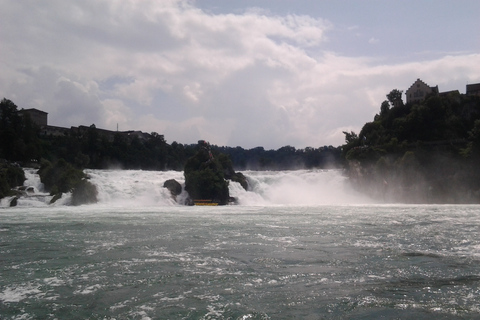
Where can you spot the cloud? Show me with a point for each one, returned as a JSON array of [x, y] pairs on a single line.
[[247, 79]]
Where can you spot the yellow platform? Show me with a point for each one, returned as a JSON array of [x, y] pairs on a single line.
[[205, 203]]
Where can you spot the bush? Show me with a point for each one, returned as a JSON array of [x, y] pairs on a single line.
[[62, 177], [11, 176], [204, 178]]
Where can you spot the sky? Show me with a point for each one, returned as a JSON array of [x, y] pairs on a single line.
[[247, 73]]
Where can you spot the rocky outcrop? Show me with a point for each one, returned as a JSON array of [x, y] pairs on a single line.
[[62, 177], [84, 193], [237, 177], [173, 186], [206, 176], [13, 202]]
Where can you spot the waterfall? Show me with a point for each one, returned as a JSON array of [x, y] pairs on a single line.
[[33, 194], [33, 180], [298, 187], [137, 188]]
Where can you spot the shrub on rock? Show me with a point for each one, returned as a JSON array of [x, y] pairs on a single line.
[[206, 176], [204, 179], [62, 177], [11, 176]]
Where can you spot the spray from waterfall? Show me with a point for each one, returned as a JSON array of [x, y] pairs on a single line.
[[137, 188]]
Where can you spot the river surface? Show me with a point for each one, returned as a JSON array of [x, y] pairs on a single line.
[[134, 256]]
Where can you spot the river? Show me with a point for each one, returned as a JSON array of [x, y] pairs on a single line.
[[300, 245]]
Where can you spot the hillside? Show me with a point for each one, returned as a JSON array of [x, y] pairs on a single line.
[[425, 152]]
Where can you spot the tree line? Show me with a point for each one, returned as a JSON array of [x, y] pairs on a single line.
[[22, 141]]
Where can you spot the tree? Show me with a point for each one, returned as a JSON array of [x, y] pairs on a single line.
[[395, 98], [204, 178], [350, 137], [384, 108]]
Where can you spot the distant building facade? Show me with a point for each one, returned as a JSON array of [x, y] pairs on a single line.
[[473, 89], [54, 131], [419, 90], [38, 117]]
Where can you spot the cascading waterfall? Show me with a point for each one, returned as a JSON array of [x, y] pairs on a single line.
[[33, 194], [137, 188], [299, 187]]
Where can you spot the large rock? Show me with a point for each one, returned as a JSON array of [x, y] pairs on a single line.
[[173, 186], [204, 179], [62, 177], [206, 176], [229, 173], [14, 202], [84, 193]]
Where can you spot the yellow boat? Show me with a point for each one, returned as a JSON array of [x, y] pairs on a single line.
[[205, 203]]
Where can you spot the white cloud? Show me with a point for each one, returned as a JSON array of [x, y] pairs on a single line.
[[249, 79]]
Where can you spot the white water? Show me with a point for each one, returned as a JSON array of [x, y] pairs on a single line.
[[300, 187], [137, 188], [35, 195]]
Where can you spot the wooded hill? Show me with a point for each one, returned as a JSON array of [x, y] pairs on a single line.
[[424, 152], [23, 141]]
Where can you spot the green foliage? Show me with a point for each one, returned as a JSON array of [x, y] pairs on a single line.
[[384, 108], [62, 177], [207, 184], [18, 135], [21, 140], [59, 177], [204, 178], [285, 158], [425, 152], [10, 176], [395, 98]]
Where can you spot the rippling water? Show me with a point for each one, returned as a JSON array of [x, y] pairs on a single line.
[[352, 261], [332, 262]]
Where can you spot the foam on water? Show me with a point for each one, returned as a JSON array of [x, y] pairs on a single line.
[[240, 262], [137, 188], [299, 187]]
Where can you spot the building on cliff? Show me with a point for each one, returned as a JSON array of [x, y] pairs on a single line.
[[473, 89], [419, 90], [39, 117]]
